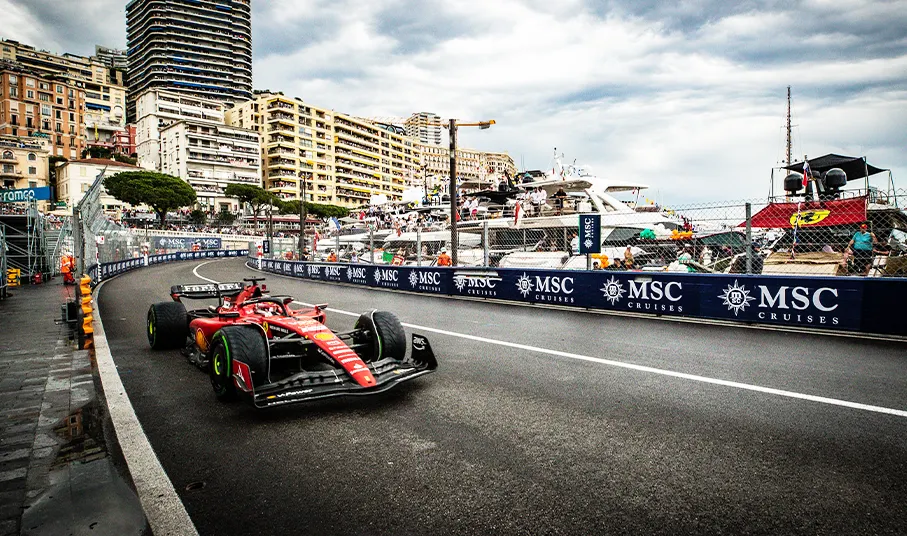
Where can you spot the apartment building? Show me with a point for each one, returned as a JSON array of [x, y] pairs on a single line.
[[23, 162], [425, 127], [75, 177], [340, 159], [202, 48], [210, 157], [498, 164], [436, 162], [158, 109], [42, 106], [101, 77]]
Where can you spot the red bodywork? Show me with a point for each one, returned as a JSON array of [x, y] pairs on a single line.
[[277, 322]]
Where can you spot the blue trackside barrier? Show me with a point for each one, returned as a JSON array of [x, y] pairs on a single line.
[[110, 269], [833, 303]]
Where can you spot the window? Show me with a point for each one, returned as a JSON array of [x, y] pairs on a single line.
[[72, 93], [29, 94], [14, 91], [59, 139], [59, 127], [85, 189], [14, 119], [30, 82], [43, 85], [45, 125], [32, 171], [29, 122], [46, 109], [60, 101], [44, 97], [60, 89], [72, 129], [13, 79], [8, 155], [15, 131], [32, 157], [8, 168], [59, 115], [72, 117]]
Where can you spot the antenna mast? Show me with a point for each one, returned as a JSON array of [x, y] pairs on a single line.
[[789, 143]]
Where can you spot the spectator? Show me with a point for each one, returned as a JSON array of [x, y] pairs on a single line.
[[444, 259], [862, 245]]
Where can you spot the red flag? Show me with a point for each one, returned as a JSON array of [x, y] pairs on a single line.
[[315, 241]]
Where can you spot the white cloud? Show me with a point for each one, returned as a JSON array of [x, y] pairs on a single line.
[[689, 98]]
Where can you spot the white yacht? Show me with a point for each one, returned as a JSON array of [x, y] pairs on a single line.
[[548, 228]]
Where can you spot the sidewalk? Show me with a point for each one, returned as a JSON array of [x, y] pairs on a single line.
[[56, 476]]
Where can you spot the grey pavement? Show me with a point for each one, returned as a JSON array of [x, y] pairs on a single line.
[[53, 450], [513, 440]]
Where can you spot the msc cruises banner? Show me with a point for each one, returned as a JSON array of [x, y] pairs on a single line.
[[835, 303], [110, 269]]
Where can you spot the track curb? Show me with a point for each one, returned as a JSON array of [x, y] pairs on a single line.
[[163, 508]]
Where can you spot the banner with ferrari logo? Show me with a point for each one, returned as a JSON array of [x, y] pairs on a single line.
[[811, 214]]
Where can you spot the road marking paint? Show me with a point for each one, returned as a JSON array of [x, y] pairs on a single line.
[[162, 506], [643, 368], [195, 272]]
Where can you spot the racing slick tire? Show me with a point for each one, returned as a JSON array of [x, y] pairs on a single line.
[[168, 325], [241, 343], [389, 338]]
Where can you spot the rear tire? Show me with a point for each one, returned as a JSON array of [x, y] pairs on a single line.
[[241, 343], [389, 338], [168, 325]]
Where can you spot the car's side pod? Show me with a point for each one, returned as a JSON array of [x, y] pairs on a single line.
[[422, 353]]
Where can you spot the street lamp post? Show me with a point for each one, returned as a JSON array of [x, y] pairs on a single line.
[[452, 130]]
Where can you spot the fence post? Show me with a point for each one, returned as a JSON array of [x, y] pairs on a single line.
[[485, 257], [78, 242], [418, 247], [588, 261], [371, 243], [749, 238]]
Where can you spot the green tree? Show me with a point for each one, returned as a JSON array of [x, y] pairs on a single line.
[[318, 209], [256, 196], [225, 218], [161, 192], [125, 159], [198, 217]]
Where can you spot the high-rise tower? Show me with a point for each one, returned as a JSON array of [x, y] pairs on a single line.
[[198, 47]]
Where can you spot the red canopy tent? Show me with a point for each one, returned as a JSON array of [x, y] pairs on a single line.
[[811, 214]]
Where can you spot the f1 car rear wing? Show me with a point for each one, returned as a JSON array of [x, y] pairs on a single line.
[[201, 292]]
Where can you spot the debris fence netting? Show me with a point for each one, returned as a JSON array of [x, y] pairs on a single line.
[[784, 236]]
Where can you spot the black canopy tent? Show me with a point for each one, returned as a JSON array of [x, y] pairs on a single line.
[[854, 167]]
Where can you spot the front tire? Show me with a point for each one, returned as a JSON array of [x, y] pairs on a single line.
[[168, 325], [388, 336], [246, 344]]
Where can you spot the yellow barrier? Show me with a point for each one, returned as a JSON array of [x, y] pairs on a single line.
[[13, 277], [86, 328]]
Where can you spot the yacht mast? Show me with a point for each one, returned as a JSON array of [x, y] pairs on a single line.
[[789, 143]]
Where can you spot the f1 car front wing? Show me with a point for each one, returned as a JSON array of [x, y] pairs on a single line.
[[388, 373]]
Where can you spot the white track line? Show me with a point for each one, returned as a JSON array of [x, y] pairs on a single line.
[[641, 368], [162, 506], [195, 271]]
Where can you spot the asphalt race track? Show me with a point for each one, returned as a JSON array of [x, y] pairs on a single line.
[[535, 438]]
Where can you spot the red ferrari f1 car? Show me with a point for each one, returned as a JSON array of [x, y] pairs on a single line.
[[255, 345]]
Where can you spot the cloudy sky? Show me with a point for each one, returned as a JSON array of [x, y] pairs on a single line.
[[687, 96]]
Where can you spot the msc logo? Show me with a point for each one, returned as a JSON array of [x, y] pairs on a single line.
[[613, 290], [477, 283], [355, 273], [332, 271], [808, 217], [314, 271], [424, 278], [810, 306], [386, 275], [548, 288]]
